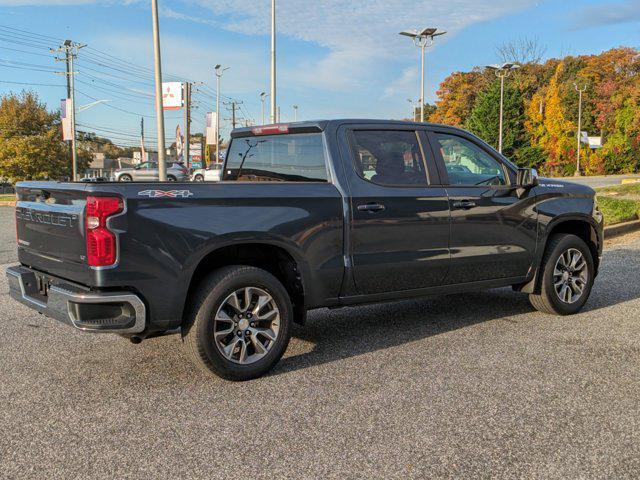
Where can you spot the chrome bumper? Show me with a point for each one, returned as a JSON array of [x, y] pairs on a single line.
[[110, 312]]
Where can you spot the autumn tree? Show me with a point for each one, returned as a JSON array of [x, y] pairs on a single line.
[[30, 140], [456, 97]]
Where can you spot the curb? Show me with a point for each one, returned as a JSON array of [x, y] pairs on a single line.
[[7, 204], [621, 228]]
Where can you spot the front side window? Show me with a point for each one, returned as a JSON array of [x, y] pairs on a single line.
[[277, 158], [391, 158], [467, 164]]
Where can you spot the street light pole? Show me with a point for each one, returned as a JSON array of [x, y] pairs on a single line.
[[273, 61], [423, 44], [219, 71], [422, 39], [413, 109], [263, 97], [162, 166], [502, 72], [580, 91]]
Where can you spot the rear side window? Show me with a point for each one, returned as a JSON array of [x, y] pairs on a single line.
[[391, 158], [277, 158]]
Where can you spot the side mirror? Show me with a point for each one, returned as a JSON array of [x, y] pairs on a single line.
[[527, 178]]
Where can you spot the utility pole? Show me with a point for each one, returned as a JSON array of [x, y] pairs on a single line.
[[263, 97], [273, 61], [580, 91], [162, 166], [422, 39], [295, 113], [233, 104], [70, 49], [278, 121], [187, 120]]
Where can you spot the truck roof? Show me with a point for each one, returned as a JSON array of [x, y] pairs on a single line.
[[316, 126]]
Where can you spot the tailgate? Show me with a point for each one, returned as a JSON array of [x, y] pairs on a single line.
[[50, 228]]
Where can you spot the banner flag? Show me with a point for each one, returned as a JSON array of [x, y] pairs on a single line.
[[65, 115], [210, 133]]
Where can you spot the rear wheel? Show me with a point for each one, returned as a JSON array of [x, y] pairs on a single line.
[[171, 178], [125, 178], [198, 178], [567, 276], [239, 323]]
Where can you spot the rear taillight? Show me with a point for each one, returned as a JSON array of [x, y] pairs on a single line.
[[101, 242]]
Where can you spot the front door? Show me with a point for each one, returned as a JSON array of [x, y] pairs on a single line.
[[493, 232], [400, 222]]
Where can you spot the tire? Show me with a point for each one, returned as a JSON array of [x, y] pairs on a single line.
[[171, 178], [125, 178], [206, 314], [198, 178], [549, 300]]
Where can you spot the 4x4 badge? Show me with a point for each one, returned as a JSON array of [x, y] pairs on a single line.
[[166, 193]]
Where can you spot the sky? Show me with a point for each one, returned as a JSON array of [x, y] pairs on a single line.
[[336, 58]]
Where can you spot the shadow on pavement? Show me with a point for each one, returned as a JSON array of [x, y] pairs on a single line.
[[352, 331]]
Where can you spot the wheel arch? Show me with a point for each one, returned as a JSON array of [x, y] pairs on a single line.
[[581, 226], [272, 257]]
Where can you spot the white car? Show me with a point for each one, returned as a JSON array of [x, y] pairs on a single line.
[[211, 174]]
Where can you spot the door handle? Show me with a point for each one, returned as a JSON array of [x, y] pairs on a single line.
[[464, 204], [371, 207]]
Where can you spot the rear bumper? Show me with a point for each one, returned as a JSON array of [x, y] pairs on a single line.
[[109, 312]]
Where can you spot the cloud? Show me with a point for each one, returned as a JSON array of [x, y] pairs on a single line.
[[359, 36], [610, 14], [406, 82]]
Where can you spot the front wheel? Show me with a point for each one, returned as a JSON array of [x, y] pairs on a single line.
[[239, 323], [567, 276], [125, 178], [198, 178]]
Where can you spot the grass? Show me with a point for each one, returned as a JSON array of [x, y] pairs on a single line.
[[618, 210], [8, 197], [619, 203], [630, 191]]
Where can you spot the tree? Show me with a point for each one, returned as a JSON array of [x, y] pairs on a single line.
[[30, 140], [429, 110], [484, 119], [456, 97], [557, 137], [522, 51]]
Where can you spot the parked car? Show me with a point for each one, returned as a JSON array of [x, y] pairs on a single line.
[[212, 173], [297, 225], [148, 171]]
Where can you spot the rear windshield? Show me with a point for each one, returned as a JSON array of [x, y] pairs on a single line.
[[277, 158]]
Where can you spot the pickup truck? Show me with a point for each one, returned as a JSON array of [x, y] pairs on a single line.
[[307, 215]]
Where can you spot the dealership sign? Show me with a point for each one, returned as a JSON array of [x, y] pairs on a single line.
[[172, 95]]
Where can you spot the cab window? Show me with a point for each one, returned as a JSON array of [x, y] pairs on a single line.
[[388, 157], [467, 164]]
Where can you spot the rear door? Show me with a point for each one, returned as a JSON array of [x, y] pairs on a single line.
[[493, 232], [400, 215]]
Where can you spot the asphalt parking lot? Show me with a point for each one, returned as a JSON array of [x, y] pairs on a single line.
[[476, 385]]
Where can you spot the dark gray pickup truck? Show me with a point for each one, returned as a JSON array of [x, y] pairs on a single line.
[[308, 215]]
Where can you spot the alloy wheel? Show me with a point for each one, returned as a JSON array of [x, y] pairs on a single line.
[[246, 325], [570, 276]]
